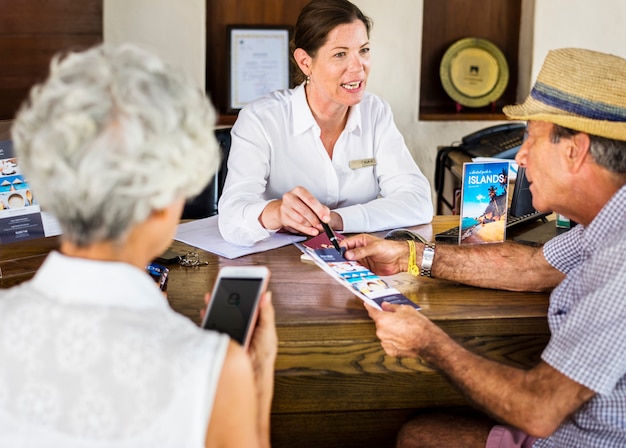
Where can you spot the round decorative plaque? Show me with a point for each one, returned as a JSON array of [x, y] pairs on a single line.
[[474, 72]]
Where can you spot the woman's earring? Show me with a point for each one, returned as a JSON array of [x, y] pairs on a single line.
[[308, 79]]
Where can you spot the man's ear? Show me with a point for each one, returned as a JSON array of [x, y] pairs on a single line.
[[160, 213], [172, 211], [578, 151], [303, 60]]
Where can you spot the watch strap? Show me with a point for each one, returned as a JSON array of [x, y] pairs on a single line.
[[427, 260]]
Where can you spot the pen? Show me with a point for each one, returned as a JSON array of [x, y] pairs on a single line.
[[331, 236]]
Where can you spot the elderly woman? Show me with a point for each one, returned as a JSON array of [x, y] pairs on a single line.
[[326, 151], [113, 142]]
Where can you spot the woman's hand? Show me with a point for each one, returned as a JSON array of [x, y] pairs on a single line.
[[262, 353], [298, 211], [263, 350], [264, 344]]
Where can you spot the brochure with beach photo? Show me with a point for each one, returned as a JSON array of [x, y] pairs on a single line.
[[21, 217], [484, 202], [363, 283]]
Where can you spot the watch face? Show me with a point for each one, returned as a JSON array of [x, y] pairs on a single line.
[[474, 72]]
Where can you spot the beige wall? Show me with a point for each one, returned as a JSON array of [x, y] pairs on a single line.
[[599, 25], [176, 29]]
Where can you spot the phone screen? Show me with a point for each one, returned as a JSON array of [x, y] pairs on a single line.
[[232, 306]]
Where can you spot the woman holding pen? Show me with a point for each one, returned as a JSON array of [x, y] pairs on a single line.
[[325, 151]]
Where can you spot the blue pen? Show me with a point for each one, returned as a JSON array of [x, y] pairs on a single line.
[[331, 236]]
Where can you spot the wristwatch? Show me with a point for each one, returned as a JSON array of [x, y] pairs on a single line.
[[427, 259]]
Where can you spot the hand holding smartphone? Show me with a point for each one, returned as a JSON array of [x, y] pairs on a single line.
[[234, 305]]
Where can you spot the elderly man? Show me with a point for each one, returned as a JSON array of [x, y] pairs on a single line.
[[575, 159]]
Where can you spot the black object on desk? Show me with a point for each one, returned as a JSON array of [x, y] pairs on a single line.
[[501, 141], [169, 257], [403, 235], [537, 236]]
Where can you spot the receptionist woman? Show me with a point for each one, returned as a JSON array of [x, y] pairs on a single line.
[[326, 150]]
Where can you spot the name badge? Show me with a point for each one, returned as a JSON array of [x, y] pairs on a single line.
[[363, 163]]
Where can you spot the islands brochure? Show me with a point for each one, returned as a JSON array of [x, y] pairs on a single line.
[[484, 202], [363, 283]]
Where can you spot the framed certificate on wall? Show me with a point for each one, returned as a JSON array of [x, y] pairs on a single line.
[[259, 62]]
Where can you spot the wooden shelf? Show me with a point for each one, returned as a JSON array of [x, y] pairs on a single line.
[[447, 21], [220, 14], [226, 120], [440, 114], [32, 32]]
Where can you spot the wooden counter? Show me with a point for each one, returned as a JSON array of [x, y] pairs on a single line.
[[334, 386]]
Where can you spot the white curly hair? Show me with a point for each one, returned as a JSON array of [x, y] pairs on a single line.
[[112, 134]]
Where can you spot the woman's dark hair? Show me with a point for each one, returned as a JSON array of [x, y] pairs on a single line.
[[316, 20]]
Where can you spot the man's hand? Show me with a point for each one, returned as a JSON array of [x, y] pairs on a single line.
[[383, 257], [403, 331]]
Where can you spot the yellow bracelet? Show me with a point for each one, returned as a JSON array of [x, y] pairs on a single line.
[[412, 268]]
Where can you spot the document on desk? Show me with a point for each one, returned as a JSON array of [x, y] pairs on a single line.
[[205, 234]]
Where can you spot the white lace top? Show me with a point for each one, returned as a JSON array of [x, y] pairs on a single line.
[[91, 355]]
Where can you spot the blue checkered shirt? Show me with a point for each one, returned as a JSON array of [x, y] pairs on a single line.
[[587, 318]]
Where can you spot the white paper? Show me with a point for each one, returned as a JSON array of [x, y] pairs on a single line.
[[51, 225], [205, 234]]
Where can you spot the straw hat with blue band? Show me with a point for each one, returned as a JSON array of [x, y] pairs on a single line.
[[579, 89]]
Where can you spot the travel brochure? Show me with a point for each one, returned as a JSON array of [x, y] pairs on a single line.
[[21, 217], [362, 282], [484, 202]]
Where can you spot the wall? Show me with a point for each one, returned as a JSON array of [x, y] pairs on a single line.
[[599, 25], [174, 30], [396, 45]]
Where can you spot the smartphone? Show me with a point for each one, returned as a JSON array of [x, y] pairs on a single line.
[[159, 274], [234, 304]]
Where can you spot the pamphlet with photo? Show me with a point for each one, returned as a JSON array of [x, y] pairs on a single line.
[[21, 217], [484, 202], [366, 285]]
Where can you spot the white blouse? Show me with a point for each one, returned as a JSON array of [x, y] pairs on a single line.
[[93, 356], [372, 180]]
